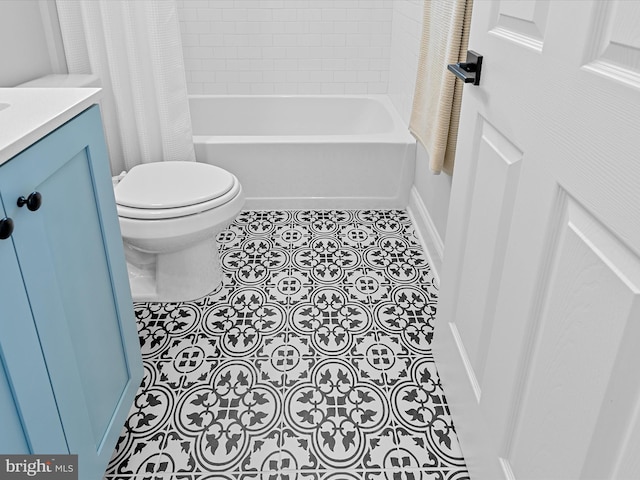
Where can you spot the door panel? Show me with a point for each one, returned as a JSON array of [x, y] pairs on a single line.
[[79, 258], [12, 436], [590, 295], [522, 22], [614, 50], [535, 330], [493, 188], [29, 417]]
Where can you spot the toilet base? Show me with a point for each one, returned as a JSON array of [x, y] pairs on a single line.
[[185, 275]]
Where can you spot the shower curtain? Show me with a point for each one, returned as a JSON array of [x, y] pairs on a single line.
[[135, 49]]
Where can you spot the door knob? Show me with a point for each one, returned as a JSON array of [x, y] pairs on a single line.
[[6, 228], [469, 71], [33, 201]]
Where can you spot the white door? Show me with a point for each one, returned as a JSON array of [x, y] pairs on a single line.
[[538, 328]]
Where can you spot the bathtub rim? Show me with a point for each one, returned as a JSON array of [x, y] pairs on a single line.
[[399, 134]]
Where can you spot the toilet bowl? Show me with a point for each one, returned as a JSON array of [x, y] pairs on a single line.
[[170, 214]]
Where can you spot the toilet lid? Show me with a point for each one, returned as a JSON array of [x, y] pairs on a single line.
[[172, 185]]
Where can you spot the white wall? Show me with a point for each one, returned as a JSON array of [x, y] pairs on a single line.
[[286, 46], [429, 203], [30, 41]]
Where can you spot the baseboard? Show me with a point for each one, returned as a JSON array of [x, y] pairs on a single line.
[[427, 232]]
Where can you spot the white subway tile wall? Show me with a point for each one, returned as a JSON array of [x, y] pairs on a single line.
[[287, 46], [405, 47]]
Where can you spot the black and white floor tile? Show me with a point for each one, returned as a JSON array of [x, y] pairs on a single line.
[[311, 361]]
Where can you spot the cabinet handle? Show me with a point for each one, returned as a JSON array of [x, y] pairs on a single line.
[[6, 228], [33, 201]]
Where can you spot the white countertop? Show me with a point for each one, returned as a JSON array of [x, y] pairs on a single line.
[[28, 114]]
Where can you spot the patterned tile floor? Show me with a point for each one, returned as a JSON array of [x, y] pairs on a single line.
[[311, 361]]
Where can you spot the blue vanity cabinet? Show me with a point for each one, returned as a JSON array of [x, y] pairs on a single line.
[[69, 327]]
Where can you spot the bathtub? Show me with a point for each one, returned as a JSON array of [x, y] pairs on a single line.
[[307, 151]]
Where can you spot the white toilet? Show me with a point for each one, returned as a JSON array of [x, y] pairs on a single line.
[[170, 214]]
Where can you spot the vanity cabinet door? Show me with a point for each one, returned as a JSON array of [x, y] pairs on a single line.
[[30, 419], [72, 262]]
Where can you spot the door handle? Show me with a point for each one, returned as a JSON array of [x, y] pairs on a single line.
[[469, 71]]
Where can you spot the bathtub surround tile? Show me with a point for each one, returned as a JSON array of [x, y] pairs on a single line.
[[312, 360], [308, 33], [381, 39], [403, 59]]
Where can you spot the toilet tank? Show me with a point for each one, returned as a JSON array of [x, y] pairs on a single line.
[[74, 80]]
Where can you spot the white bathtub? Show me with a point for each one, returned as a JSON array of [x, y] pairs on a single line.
[[308, 151]]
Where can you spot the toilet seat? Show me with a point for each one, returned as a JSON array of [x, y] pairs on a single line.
[[165, 190], [166, 213]]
